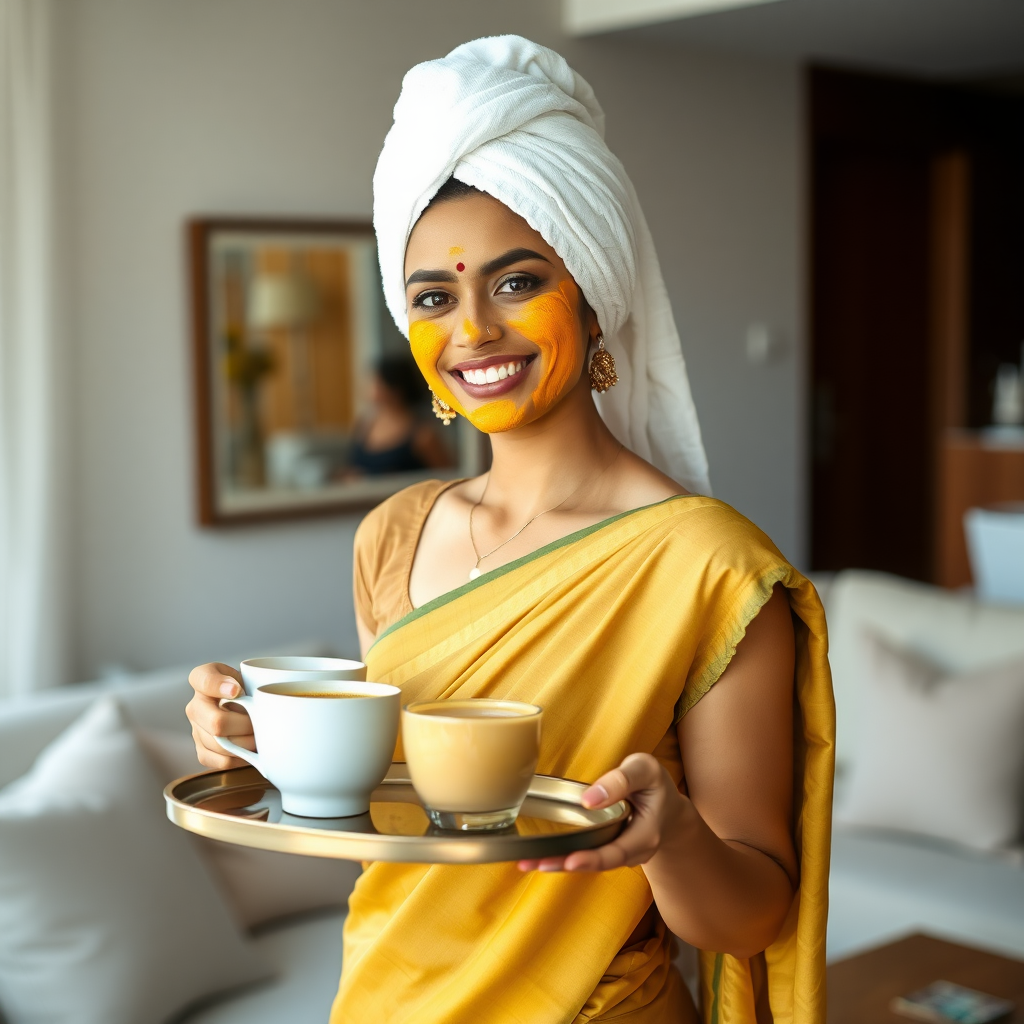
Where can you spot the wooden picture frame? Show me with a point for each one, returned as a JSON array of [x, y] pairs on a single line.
[[298, 367]]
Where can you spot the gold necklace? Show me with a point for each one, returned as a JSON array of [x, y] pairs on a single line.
[[476, 571]]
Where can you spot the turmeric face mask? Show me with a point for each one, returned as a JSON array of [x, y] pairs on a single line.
[[549, 322]]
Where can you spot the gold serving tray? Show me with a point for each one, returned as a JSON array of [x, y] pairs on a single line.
[[240, 806]]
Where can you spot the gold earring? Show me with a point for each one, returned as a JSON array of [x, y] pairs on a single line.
[[602, 368], [442, 410]]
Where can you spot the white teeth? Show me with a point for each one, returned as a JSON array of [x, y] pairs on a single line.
[[493, 373]]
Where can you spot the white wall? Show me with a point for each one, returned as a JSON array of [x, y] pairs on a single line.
[[166, 110]]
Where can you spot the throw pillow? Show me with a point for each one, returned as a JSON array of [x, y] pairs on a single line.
[[939, 754], [107, 913], [260, 885]]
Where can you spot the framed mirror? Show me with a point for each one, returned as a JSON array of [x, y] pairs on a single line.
[[307, 398]]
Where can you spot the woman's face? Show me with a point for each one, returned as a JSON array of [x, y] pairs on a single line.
[[497, 325]]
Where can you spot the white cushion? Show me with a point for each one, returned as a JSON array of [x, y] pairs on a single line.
[[949, 628], [28, 724], [259, 884], [941, 755], [306, 957], [107, 914]]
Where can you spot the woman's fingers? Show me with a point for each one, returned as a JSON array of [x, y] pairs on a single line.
[[547, 864], [211, 754], [215, 680], [209, 716], [637, 772], [641, 779], [209, 720], [627, 850]]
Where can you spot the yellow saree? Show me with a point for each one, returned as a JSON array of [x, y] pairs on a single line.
[[617, 631]]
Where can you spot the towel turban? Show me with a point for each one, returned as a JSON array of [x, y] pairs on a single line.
[[512, 119]]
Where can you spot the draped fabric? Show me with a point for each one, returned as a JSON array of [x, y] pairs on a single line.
[[511, 118], [32, 528], [617, 631]]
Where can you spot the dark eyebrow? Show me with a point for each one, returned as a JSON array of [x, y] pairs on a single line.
[[432, 276], [508, 258]]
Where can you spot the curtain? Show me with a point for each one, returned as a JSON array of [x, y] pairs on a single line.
[[32, 651]]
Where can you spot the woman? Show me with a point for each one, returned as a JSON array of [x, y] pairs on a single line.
[[680, 660]]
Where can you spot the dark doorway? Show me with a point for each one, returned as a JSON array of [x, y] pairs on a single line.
[[914, 192]]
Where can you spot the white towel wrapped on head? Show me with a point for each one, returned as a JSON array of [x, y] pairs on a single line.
[[511, 118]]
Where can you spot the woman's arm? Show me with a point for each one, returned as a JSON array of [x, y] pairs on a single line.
[[720, 860]]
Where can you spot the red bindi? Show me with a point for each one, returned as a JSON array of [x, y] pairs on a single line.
[[460, 267]]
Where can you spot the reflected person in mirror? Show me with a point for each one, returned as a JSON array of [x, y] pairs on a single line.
[[395, 438]]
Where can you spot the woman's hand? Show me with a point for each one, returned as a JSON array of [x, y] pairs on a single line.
[[211, 683], [659, 809]]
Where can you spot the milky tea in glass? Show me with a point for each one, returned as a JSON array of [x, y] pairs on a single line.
[[471, 761]]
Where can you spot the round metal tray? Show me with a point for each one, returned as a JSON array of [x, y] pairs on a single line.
[[240, 806]]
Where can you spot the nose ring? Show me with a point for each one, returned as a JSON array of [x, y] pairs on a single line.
[[488, 328]]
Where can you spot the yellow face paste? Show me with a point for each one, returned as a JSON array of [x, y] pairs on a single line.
[[549, 321], [428, 340]]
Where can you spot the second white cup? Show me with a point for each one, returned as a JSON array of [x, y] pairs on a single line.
[[258, 672]]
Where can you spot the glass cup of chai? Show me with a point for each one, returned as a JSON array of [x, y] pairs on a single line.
[[471, 761]]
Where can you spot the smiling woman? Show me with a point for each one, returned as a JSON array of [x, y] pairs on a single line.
[[511, 325], [679, 659]]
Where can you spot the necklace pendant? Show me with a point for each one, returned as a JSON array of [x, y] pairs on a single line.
[[475, 573]]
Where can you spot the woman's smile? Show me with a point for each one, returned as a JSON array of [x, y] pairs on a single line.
[[493, 376]]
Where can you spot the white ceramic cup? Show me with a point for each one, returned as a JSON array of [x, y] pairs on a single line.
[[326, 755], [260, 671]]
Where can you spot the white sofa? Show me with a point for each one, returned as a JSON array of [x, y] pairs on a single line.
[[886, 883], [883, 884], [303, 952]]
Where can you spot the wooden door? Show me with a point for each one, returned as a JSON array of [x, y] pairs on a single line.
[[917, 292], [871, 470]]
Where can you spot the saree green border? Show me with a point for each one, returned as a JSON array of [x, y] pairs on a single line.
[[716, 984], [503, 570]]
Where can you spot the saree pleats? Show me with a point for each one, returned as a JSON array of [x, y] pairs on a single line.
[[616, 631]]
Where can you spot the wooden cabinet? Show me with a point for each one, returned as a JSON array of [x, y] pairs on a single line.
[[972, 471]]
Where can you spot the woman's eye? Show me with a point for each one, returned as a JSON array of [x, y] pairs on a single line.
[[432, 300], [515, 284]]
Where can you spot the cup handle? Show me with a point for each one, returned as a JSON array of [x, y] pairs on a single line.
[[246, 704]]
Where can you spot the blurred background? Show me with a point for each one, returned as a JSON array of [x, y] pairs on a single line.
[[833, 190], [836, 192]]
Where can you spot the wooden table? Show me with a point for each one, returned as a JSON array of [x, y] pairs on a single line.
[[859, 989]]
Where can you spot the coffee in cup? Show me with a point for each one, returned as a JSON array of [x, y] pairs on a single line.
[[471, 761], [258, 672], [326, 756], [328, 694]]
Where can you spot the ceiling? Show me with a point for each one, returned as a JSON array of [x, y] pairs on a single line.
[[935, 38]]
